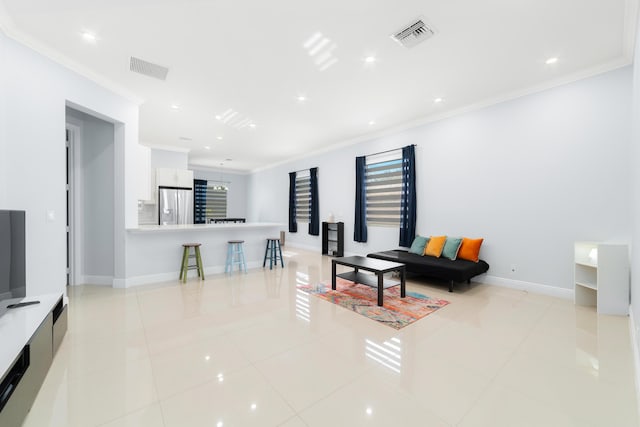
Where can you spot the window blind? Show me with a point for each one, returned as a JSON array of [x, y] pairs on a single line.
[[303, 196], [384, 188], [216, 201]]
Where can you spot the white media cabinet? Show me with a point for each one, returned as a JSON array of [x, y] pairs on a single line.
[[601, 277], [29, 338]]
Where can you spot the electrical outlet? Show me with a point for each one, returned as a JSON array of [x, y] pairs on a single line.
[[513, 268]]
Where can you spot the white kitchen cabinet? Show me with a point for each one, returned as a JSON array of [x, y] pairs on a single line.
[[185, 178], [167, 177], [601, 277]]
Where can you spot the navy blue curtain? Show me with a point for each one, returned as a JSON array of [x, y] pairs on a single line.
[[408, 197], [293, 225], [360, 225], [199, 201], [314, 223]]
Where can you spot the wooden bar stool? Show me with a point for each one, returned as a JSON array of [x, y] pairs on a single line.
[[235, 255], [186, 254], [273, 252]]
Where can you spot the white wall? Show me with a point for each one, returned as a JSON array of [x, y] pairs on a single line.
[[237, 194], [531, 176], [35, 91], [95, 151], [3, 126], [635, 167], [168, 159]]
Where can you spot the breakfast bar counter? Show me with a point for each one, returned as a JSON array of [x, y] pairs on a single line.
[[154, 251], [202, 227]]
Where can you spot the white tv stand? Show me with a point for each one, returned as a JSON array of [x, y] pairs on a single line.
[[29, 338]]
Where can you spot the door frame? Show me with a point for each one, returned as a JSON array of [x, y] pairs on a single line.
[[75, 217]]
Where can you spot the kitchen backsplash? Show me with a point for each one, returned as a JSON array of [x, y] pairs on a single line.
[[147, 214]]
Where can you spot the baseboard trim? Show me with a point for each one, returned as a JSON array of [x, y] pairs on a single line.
[[314, 249], [525, 286], [633, 336], [173, 276], [300, 246], [95, 280]]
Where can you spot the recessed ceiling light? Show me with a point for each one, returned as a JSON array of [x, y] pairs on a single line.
[[218, 117], [370, 59], [175, 107], [206, 147], [372, 122], [89, 37], [551, 60], [219, 138], [438, 100], [252, 125], [301, 98]]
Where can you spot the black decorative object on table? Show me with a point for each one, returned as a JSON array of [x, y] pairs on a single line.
[[22, 304]]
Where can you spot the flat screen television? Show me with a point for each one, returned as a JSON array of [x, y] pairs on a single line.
[[12, 255]]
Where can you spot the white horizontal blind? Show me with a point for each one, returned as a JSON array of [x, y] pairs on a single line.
[[303, 196], [384, 187], [216, 206]]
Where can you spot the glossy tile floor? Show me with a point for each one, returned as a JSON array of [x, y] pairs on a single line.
[[251, 350]]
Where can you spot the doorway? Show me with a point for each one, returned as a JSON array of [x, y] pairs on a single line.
[[72, 135], [91, 198]]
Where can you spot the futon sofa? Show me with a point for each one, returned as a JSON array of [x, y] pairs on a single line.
[[458, 271]]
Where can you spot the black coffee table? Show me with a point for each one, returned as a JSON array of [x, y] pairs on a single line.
[[377, 266]]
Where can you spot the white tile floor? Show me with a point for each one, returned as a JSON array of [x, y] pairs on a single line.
[[251, 350]]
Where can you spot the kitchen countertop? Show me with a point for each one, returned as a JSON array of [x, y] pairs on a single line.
[[202, 227]]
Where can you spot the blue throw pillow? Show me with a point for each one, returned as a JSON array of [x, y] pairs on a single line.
[[451, 247], [417, 247]]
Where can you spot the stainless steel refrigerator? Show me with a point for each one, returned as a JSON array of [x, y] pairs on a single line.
[[175, 205]]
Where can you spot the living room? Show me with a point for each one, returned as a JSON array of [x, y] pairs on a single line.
[[531, 172]]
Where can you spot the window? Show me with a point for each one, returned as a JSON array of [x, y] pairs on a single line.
[[303, 196], [384, 188], [210, 201]]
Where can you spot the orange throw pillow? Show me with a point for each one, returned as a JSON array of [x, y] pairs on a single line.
[[435, 245], [470, 249]]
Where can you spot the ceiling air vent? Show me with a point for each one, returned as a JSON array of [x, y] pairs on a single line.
[[414, 33], [149, 69]]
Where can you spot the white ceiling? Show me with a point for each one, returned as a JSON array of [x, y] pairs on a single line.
[[249, 56]]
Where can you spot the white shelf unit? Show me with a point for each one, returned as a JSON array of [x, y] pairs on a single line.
[[601, 277]]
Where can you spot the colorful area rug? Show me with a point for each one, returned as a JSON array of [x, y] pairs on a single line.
[[397, 312]]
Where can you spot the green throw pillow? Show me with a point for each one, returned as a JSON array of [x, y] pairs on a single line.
[[417, 247], [451, 247]]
